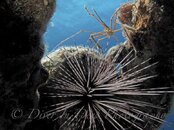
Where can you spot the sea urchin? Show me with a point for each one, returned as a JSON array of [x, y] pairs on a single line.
[[90, 92]]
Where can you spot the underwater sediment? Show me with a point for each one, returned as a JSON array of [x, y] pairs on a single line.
[[151, 34]]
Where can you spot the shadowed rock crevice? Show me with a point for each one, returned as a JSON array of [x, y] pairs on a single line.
[[22, 25]]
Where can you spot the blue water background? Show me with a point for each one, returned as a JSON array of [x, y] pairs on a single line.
[[70, 17]]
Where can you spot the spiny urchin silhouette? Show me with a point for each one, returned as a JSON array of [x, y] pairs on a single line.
[[90, 92]]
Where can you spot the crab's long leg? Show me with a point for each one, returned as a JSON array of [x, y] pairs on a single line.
[[97, 18], [127, 29], [68, 38], [114, 18], [92, 38], [101, 39], [96, 44], [117, 30], [97, 34], [116, 39]]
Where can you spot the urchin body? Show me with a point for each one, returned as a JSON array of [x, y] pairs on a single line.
[[87, 88]]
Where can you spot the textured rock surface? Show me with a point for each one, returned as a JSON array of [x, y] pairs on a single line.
[[153, 38], [22, 25]]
